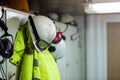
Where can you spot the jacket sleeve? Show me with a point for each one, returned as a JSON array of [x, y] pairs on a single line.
[[19, 47]]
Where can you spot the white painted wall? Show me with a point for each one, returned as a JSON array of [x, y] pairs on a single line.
[[72, 66], [80, 19]]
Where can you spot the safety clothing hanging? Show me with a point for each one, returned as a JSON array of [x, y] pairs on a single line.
[[33, 64]]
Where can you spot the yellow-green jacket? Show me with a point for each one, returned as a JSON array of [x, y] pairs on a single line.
[[32, 64]]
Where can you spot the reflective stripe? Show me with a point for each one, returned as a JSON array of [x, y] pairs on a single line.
[[29, 50], [35, 62], [35, 79]]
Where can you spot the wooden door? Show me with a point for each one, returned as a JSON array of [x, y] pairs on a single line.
[[113, 48]]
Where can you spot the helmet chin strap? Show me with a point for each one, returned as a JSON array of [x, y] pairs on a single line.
[[33, 28]]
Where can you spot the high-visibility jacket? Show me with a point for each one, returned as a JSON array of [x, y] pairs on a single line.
[[32, 64]]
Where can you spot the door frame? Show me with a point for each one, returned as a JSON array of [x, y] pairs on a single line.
[[96, 45]]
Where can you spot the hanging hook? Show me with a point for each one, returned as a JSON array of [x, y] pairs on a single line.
[[2, 10], [66, 28], [59, 29], [72, 36]]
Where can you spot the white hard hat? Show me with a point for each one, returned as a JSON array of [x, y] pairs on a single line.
[[59, 50], [45, 31], [66, 18], [53, 16]]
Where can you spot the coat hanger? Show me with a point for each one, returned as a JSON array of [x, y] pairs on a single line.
[[72, 36], [6, 34], [2, 23], [2, 10]]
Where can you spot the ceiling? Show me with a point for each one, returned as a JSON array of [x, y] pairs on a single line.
[[74, 7]]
